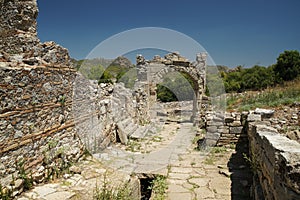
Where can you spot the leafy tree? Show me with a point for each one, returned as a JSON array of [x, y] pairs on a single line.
[[164, 94], [128, 77], [105, 78], [288, 65], [176, 86], [255, 78], [232, 81]]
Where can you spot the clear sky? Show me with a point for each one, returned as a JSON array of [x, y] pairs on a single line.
[[233, 32]]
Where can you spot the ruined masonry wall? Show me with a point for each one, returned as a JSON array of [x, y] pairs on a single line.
[[18, 25], [36, 126], [37, 131], [276, 161], [222, 131]]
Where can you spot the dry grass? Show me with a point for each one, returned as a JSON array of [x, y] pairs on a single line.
[[285, 94]]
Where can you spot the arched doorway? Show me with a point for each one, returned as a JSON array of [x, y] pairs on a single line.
[[150, 73]]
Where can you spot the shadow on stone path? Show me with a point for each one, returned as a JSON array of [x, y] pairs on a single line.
[[219, 174], [241, 177]]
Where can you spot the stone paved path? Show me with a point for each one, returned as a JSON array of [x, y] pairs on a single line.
[[159, 157], [77, 186], [200, 176], [191, 174]]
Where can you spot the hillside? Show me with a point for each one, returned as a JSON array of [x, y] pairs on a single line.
[[285, 94], [102, 68]]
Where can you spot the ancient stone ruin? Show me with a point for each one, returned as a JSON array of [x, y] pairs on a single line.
[[50, 114], [152, 72], [36, 87], [18, 36]]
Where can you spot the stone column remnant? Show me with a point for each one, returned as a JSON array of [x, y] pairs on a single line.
[[201, 70], [141, 68]]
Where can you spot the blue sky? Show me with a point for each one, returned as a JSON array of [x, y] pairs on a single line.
[[233, 32]]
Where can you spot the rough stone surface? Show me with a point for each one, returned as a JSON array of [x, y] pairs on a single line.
[[276, 160], [265, 113], [152, 72], [36, 126], [224, 130], [37, 132], [18, 36], [85, 185]]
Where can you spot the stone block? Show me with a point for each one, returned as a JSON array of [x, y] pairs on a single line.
[[122, 133], [139, 133], [227, 135], [210, 142], [229, 119], [236, 130], [224, 130], [253, 117], [212, 129], [214, 136], [215, 123], [234, 123], [265, 113]]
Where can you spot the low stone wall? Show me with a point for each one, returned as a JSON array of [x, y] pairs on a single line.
[[275, 160], [222, 131]]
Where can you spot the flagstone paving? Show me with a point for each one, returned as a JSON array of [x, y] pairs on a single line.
[[191, 174]]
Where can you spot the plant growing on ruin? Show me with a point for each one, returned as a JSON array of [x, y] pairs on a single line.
[[133, 146], [253, 162], [27, 178], [112, 193], [214, 152], [62, 100], [52, 144], [159, 187]]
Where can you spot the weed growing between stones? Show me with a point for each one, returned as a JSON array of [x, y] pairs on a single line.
[[196, 139], [62, 100], [133, 146], [112, 193], [221, 149], [252, 162], [159, 187], [28, 180], [215, 152]]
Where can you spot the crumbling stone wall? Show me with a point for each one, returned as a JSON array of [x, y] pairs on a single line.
[[225, 130], [18, 25], [107, 113], [37, 132], [275, 160], [36, 126], [18, 35]]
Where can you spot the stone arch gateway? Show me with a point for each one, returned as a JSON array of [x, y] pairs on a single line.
[[152, 72]]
